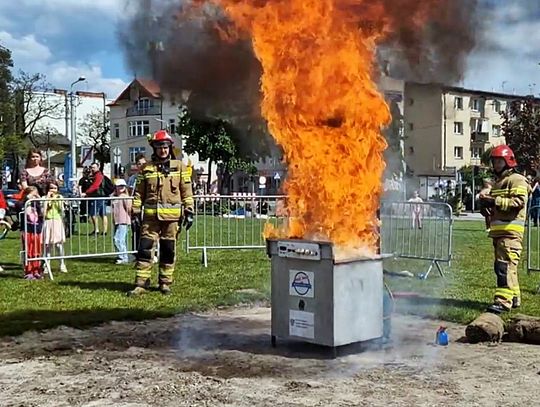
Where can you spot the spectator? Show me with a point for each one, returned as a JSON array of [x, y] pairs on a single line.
[[34, 174], [3, 211], [121, 209], [31, 234], [416, 210], [54, 233], [96, 208], [140, 162], [535, 202]]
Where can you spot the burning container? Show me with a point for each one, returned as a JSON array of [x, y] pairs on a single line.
[[319, 299]]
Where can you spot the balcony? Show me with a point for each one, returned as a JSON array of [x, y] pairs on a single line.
[[480, 137], [148, 111]]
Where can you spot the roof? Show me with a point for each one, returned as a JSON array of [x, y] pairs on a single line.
[[458, 89], [149, 86]]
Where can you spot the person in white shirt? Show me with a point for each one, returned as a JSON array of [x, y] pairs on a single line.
[[416, 210]]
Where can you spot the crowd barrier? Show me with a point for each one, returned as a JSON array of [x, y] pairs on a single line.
[[81, 241], [233, 221], [533, 241], [417, 230]]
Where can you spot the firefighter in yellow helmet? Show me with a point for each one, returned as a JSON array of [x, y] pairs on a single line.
[[507, 204], [165, 197]]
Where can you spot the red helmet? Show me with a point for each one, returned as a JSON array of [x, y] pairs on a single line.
[[160, 136], [505, 152]]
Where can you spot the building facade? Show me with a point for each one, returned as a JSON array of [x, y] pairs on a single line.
[[142, 109], [447, 128]]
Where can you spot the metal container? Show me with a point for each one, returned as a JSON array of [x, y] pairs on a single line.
[[320, 300]]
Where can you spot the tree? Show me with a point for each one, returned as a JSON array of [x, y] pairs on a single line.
[[214, 140], [94, 131], [521, 128], [5, 83], [32, 104]]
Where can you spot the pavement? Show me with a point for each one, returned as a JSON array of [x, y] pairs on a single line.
[[469, 216]]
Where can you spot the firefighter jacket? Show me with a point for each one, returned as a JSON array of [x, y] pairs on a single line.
[[162, 190], [510, 211]]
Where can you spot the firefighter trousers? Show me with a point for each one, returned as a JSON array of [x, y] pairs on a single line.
[[152, 231], [507, 254]]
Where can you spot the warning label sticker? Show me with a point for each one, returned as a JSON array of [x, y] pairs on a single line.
[[302, 324]]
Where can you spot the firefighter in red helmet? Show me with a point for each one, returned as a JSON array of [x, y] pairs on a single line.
[[507, 203], [165, 198]]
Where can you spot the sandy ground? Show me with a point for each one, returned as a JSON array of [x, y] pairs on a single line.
[[224, 358]]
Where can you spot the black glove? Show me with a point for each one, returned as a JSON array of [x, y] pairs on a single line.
[[188, 219], [136, 221]]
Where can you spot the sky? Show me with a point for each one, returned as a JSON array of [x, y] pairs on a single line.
[[65, 39]]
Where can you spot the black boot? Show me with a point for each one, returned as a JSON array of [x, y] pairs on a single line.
[[497, 309]]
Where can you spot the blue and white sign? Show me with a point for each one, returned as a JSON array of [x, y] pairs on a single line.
[[301, 283]]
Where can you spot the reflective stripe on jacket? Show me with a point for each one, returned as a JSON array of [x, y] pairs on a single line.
[[510, 191], [162, 193]]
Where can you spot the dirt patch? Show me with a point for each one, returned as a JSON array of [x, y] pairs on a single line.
[[224, 358]]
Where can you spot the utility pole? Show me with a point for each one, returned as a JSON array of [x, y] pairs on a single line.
[[73, 175]]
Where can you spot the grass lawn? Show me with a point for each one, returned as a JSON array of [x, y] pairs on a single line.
[[94, 290]]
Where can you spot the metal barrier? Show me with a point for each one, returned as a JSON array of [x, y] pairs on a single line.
[[81, 241], [233, 221], [417, 230], [533, 240]]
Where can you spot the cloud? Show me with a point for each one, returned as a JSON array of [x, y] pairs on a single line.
[[508, 53], [34, 57]]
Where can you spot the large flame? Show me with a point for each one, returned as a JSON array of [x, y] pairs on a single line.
[[323, 108]]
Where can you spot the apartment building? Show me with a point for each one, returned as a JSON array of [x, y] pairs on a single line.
[[448, 127], [142, 109]]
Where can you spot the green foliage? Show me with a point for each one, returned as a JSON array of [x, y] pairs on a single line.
[[521, 128], [467, 175], [94, 131], [215, 140]]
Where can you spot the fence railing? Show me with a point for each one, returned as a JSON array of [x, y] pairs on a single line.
[[533, 240], [71, 234], [417, 230], [233, 221]]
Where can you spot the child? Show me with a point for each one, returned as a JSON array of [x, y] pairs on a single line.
[[31, 234], [121, 209], [417, 210], [3, 211], [485, 210], [54, 233]]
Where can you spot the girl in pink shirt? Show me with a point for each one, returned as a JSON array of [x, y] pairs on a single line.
[[121, 209]]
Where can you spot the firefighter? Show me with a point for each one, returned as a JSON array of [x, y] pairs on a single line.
[[507, 206], [163, 187]]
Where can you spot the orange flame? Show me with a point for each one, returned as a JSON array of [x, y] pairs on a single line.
[[324, 109]]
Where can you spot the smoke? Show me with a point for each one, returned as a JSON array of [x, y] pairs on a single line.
[[179, 46]]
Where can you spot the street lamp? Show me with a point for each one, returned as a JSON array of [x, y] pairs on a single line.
[[73, 175]]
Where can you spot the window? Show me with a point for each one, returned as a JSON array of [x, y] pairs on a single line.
[[458, 153], [477, 152], [411, 126], [134, 151], [142, 103], [497, 106], [411, 150], [411, 101], [116, 130], [172, 126], [458, 102], [458, 127], [496, 130], [139, 128], [475, 105]]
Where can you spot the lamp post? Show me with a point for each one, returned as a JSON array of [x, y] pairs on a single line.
[[73, 175]]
